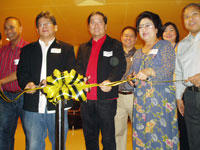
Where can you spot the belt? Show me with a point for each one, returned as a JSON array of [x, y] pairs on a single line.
[[125, 93], [193, 88], [13, 92]]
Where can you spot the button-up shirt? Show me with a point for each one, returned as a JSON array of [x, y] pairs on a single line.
[[9, 59], [187, 62], [43, 75], [92, 66]]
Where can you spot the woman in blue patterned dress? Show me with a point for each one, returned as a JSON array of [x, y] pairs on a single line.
[[154, 114]]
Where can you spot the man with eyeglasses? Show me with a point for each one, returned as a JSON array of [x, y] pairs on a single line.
[[9, 56], [37, 61]]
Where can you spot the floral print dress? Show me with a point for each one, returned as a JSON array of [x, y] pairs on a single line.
[[155, 113]]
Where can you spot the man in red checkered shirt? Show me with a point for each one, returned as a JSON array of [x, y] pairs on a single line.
[[9, 58]]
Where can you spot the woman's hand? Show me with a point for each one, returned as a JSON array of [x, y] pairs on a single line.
[[145, 73], [130, 76]]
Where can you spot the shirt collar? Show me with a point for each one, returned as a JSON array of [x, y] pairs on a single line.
[[100, 41], [192, 37], [18, 44], [130, 53], [49, 43]]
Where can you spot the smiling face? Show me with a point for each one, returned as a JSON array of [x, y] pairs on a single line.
[[147, 30], [191, 18], [12, 30], [128, 39], [169, 34], [46, 29], [97, 27]]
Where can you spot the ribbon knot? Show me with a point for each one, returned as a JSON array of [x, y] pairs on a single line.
[[65, 86]]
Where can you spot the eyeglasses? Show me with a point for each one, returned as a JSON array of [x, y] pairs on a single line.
[[145, 26], [45, 24]]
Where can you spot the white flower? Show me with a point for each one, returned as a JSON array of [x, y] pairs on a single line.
[[167, 90], [175, 140], [163, 122], [154, 101], [139, 126], [139, 93], [154, 137]]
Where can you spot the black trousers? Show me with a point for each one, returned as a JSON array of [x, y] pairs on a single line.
[[192, 118], [183, 133], [99, 116]]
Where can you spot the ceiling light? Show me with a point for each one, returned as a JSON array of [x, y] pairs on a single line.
[[89, 2]]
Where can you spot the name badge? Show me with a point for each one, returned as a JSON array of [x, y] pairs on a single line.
[[56, 50], [153, 51], [131, 59], [107, 53], [16, 61]]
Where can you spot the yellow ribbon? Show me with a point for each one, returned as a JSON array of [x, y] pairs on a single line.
[[66, 86], [9, 100]]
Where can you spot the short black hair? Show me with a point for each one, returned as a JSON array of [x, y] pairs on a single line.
[[11, 17], [191, 4], [155, 19], [97, 13], [129, 27], [174, 26], [45, 14]]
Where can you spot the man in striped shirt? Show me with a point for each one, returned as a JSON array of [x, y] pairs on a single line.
[[9, 58]]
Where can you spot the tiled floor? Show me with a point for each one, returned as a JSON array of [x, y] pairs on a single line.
[[75, 140]]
